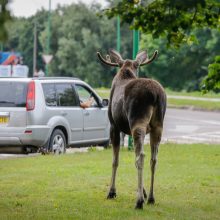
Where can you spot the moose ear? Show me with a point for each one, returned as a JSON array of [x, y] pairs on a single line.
[[141, 57], [115, 56]]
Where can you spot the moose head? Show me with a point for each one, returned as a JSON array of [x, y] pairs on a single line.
[[130, 65]]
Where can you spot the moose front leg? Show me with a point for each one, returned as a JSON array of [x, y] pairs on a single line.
[[138, 135], [115, 139]]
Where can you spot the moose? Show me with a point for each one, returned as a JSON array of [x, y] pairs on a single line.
[[137, 107]]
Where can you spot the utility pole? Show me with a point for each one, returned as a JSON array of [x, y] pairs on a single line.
[[48, 35], [135, 51], [35, 47], [136, 36], [118, 34]]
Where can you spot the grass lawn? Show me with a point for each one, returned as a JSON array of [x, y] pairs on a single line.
[[182, 103], [194, 104], [195, 94], [74, 186]]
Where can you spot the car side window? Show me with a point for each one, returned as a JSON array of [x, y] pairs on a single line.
[[85, 95], [49, 94], [65, 95]]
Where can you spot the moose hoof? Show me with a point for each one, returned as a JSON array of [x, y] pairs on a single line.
[[151, 201], [145, 194], [139, 204], [111, 194]]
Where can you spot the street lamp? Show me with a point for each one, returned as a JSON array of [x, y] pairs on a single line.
[[48, 35], [136, 36], [118, 34]]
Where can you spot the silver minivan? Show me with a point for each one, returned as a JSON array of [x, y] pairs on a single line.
[[45, 113]]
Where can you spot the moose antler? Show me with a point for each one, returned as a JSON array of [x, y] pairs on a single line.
[[106, 61], [147, 61]]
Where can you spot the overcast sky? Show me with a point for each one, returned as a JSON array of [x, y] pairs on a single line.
[[26, 8]]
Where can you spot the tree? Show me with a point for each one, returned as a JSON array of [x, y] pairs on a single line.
[[212, 80], [4, 17], [172, 19], [76, 39], [188, 63]]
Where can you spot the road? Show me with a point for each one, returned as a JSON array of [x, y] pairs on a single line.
[[184, 126], [187, 126]]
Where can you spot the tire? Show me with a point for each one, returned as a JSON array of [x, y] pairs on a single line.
[[57, 144]]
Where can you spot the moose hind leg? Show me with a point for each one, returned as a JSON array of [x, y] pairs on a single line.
[[115, 139], [155, 137], [138, 136]]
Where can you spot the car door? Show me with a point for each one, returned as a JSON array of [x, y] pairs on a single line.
[[95, 119], [68, 103]]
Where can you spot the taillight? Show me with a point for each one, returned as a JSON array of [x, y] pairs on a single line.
[[30, 103]]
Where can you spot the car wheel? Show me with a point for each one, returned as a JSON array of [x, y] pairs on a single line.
[[57, 143]]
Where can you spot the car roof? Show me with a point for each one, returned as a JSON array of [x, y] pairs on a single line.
[[25, 79], [47, 80], [56, 78]]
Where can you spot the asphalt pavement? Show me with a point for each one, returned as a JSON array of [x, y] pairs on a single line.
[[187, 126]]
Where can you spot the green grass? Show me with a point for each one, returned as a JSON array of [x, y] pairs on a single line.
[[182, 103], [103, 92], [194, 104], [74, 186], [195, 94]]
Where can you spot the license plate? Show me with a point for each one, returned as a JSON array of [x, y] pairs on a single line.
[[4, 120]]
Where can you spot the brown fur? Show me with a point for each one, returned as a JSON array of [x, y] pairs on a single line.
[[136, 107]]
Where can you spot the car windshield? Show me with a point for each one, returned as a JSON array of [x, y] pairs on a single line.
[[13, 94]]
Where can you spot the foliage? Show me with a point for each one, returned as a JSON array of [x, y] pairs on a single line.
[[212, 80], [21, 38], [77, 33], [74, 186], [4, 17], [171, 18], [74, 41], [183, 68]]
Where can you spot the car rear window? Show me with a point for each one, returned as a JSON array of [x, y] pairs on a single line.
[[13, 94]]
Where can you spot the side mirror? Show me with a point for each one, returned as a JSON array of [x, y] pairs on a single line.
[[105, 102]]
